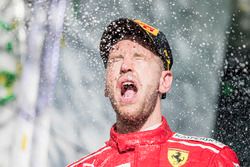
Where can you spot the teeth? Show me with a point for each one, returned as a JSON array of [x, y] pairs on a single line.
[[127, 83]]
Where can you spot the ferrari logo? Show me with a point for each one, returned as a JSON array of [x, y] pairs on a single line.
[[147, 27], [177, 157]]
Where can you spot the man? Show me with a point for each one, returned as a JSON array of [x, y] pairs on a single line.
[[138, 59]]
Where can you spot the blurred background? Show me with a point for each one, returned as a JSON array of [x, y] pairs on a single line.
[[52, 105]]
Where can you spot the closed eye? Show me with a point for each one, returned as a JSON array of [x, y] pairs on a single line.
[[115, 59], [139, 57]]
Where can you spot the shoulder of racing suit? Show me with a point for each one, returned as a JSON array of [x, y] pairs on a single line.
[[217, 152], [196, 151], [90, 159]]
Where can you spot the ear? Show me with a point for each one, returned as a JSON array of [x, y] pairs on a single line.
[[165, 81]]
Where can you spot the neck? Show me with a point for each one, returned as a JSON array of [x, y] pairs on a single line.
[[127, 126]]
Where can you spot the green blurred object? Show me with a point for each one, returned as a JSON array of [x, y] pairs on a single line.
[[6, 99], [4, 26], [227, 89], [9, 47], [10, 26], [76, 7], [7, 80]]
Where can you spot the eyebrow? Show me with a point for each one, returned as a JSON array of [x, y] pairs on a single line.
[[137, 54], [116, 56]]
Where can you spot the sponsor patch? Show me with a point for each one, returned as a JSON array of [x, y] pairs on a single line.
[[147, 27], [203, 139], [177, 157]]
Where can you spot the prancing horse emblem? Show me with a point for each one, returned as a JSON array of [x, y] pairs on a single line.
[[177, 157]]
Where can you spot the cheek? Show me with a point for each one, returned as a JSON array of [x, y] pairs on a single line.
[[150, 75], [111, 76]]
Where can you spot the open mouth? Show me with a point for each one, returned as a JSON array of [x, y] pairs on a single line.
[[128, 90]]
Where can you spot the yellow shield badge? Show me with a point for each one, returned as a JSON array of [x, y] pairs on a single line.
[[177, 157]]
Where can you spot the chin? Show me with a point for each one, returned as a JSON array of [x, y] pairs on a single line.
[[128, 112], [131, 113]]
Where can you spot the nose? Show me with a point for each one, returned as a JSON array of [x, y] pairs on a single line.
[[127, 65]]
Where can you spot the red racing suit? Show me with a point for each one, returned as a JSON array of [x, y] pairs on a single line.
[[159, 147]]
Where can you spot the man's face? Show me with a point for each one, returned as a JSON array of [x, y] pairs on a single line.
[[132, 80]]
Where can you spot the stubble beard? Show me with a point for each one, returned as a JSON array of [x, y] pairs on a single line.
[[133, 116]]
